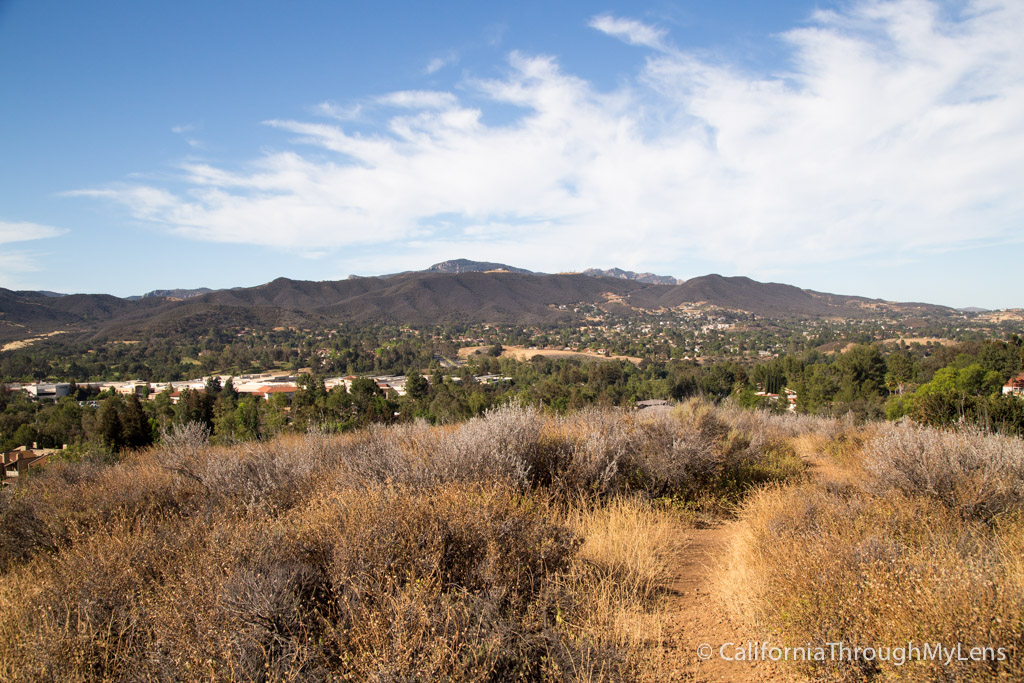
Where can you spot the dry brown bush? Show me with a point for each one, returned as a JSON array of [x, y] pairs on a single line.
[[973, 473], [920, 540], [499, 548], [594, 452], [462, 581]]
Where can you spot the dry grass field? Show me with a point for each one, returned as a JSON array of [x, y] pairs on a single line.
[[601, 545], [522, 353]]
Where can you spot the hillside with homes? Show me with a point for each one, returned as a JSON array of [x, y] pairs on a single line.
[[462, 296]]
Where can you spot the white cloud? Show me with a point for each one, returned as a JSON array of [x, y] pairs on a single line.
[[24, 232], [17, 261], [148, 203], [896, 128], [13, 264], [630, 31], [418, 99], [335, 111], [440, 62], [184, 130]]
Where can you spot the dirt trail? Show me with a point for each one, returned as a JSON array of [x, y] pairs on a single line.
[[697, 617]]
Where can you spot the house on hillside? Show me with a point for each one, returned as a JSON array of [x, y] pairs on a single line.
[[267, 391], [1015, 386], [13, 463], [137, 387], [47, 391], [790, 397]]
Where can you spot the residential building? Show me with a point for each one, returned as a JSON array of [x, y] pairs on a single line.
[[1015, 386]]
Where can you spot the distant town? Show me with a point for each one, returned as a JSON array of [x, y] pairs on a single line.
[[261, 385]]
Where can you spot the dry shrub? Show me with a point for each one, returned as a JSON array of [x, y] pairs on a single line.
[[975, 474], [272, 475], [768, 424], [394, 553], [499, 446], [380, 454], [819, 566], [66, 502], [601, 452], [720, 453], [87, 613], [692, 455], [460, 581]]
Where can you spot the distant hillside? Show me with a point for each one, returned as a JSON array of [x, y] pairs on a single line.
[[647, 278], [742, 293], [419, 298], [770, 299], [429, 297]]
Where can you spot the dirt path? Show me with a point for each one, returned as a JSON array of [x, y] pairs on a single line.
[[697, 617]]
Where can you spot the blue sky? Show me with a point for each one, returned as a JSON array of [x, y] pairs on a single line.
[[859, 147]]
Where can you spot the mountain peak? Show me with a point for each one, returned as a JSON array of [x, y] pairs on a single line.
[[461, 265], [646, 278]]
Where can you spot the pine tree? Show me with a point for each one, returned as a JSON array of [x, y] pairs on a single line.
[[110, 430]]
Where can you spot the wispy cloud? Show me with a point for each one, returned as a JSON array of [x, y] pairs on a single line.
[[418, 99], [335, 111], [14, 262], [896, 127], [24, 232], [630, 31], [440, 62], [186, 131]]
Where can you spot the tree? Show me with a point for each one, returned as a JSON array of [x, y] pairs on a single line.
[[213, 387], [310, 402], [135, 431], [862, 372], [25, 435], [194, 406], [109, 428], [718, 381], [817, 388], [228, 390], [247, 418], [956, 394], [416, 385], [770, 376], [899, 371]]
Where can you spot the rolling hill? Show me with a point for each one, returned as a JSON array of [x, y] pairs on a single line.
[[477, 293]]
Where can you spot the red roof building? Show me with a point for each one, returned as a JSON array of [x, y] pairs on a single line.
[[1015, 386], [265, 392]]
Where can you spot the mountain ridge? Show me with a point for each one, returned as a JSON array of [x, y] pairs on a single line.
[[494, 295], [647, 278]]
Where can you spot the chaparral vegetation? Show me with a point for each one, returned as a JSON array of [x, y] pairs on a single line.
[[519, 545]]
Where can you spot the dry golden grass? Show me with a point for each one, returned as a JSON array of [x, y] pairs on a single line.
[[906, 536], [627, 545]]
